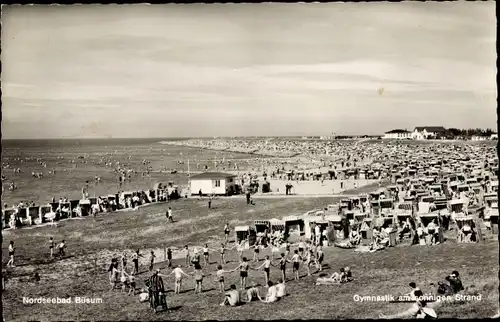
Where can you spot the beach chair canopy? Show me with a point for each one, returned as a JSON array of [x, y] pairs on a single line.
[[241, 228], [457, 202], [333, 218], [292, 218]]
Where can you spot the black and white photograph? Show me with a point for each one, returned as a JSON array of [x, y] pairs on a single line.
[[249, 161]]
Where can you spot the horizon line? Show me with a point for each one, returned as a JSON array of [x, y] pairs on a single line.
[[189, 137]]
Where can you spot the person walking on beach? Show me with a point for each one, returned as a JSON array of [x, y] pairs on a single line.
[[10, 263]]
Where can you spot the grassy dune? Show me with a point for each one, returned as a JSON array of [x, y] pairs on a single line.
[[385, 272]]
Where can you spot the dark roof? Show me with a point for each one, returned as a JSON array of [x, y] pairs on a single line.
[[213, 175], [397, 131], [430, 128]]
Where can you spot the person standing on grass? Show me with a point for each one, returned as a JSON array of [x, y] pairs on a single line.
[[198, 277], [243, 267], [283, 261], [178, 272], [113, 273], [10, 263], [274, 250], [301, 248], [135, 259], [219, 277], [206, 255], [308, 261], [319, 258], [187, 255], [51, 246], [256, 251], [124, 261], [170, 216], [157, 291], [61, 247], [240, 248], [267, 267], [226, 233], [169, 257], [210, 202], [152, 261], [196, 259], [132, 285], [222, 253], [287, 248], [296, 264]]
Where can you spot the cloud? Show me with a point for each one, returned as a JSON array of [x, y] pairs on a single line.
[[244, 68]]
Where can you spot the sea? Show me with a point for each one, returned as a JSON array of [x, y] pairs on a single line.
[[80, 160]]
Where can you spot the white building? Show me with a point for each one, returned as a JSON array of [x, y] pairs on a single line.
[[208, 183], [480, 138], [494, 136], [398, 134], [424, 132]]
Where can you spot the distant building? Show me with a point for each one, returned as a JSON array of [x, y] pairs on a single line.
[[398, 134], [216, 183], [424, 132], [480, 138], [494, 136]]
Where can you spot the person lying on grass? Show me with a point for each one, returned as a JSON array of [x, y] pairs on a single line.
[[344, 276], [414, 288], [253, 294], [418, 310], [272, 294], [232, 297]]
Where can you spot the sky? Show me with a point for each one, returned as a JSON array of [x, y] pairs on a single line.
[[124, 71]]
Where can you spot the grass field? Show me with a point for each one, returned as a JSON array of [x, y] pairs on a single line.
[[385, 272]]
